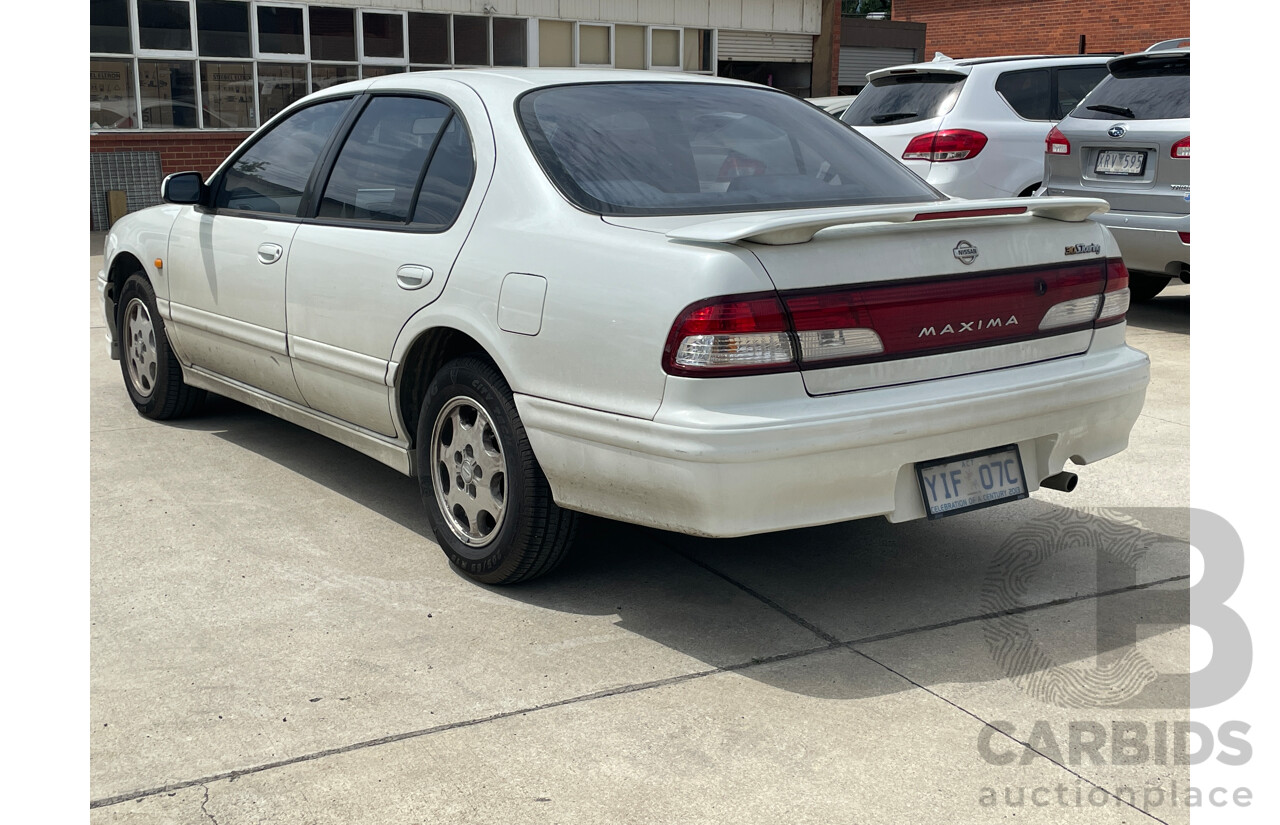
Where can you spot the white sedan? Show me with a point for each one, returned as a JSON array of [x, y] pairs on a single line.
[[683, 302]]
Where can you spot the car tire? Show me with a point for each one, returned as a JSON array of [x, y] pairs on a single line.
[[1143, 288], [488, 502], [152, 373]]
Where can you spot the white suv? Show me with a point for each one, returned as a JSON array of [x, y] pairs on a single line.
[[974, 128]]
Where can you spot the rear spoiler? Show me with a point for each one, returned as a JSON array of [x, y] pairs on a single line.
[[795, 227]]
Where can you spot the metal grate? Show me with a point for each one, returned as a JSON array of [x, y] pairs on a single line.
[[137, 173]]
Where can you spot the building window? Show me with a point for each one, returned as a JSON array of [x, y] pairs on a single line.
[[168, 94], [111, 101], [593, 45], [109, 27], [164, 25], [697, 50], [280, 30], [227, 92], [222, 28], [380, 71], [429, 39], [470, 40], [628, 47], [280, 84], [323, 76], [510, 42], [555, 43], [664, 49], [383, 35], [333, 34]]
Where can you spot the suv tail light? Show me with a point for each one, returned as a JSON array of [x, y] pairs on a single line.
[[946, 145], [765, 333], [1182, 149], [1056, 143]]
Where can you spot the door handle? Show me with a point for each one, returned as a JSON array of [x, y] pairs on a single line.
[[413, 276], [269, 253]]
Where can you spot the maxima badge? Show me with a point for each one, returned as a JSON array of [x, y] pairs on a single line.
[[965, 252]]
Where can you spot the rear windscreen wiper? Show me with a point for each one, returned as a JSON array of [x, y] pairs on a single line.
[[892, 116], [1123, 111]]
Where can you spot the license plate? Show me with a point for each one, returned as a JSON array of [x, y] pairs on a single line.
[[970, 482], [1113, 162]]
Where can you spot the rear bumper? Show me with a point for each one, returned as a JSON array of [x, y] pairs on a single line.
[[777, 465], [1150, 243]]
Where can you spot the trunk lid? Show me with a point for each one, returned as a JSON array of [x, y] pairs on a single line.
[[950, 288]]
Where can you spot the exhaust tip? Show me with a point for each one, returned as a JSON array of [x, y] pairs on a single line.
[[1064, 482]]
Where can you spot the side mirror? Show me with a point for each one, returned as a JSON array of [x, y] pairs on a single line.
[[184, 188]]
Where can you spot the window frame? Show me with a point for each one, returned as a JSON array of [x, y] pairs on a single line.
[[577, 44], [648, 45], [135, 25], [280, 57], [400, 62]]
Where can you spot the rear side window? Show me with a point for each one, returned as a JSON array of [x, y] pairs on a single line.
[[1141, 88], [686, 148], [272, 174], [382, 165], [1027, 92], [1074, 84], [904, 98]]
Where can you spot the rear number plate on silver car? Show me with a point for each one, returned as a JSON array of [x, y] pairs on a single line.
[[1112, 162], [970, 482]]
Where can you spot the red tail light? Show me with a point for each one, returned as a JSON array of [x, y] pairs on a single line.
[[1182, 149], [735, 335], [1185, 237], [946, 145], [758, 333], [1115, 299], [1056, 143]]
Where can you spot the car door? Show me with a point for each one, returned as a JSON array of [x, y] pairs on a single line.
[[391, 217], [227, 263]]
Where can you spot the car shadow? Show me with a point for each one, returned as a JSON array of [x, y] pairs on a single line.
[[953, 593], [1169, 311]]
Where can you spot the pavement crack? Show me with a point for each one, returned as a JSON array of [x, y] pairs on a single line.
[[467, 723], [1027, 745], [204, 810]]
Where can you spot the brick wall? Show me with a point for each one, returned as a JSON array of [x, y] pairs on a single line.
[[980, 28], [179, 151]]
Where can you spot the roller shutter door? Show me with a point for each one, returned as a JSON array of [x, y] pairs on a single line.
[[764, 47], [856, 61]]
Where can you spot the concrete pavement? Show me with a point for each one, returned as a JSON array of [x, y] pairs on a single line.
[[276, 638]]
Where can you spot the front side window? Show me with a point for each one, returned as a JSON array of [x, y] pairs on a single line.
[[682, 148], [1027, 93], [905, 98], [271, 175], [377, 173]]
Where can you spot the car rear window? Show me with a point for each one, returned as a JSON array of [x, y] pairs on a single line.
[[1141, 88], [690, 148], [904, 98]]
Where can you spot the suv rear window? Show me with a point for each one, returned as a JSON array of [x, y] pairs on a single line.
[[904, 98], [689, 148], [1141, 88]]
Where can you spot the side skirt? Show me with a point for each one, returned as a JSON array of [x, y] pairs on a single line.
[[394, 453]]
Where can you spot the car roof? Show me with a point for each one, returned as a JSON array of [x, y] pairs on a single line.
[[966, 65], [509, 83]]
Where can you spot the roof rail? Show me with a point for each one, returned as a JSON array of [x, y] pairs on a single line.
[[1175, 43]]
